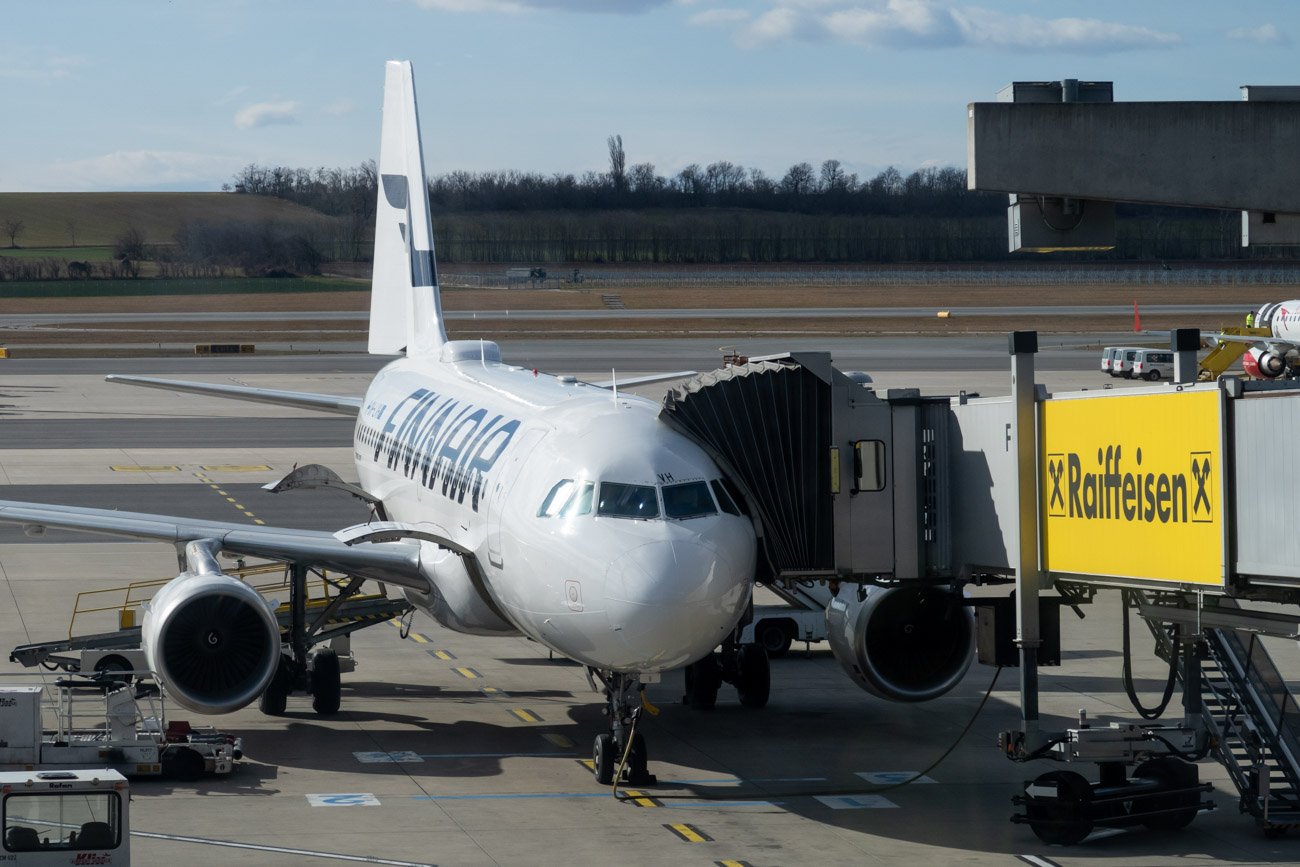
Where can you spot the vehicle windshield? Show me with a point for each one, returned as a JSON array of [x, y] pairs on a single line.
[[618, 500], [688, 500]]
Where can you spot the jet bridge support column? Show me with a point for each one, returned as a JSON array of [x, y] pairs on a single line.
[[1023, 442]]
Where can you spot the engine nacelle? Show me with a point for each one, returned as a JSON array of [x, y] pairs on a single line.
[[902, 643], [1263, 363], [212, 641]]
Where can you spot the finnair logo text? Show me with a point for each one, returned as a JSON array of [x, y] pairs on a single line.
[[445, 444]]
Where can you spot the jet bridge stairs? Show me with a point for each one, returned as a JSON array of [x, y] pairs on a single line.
[[1251, 717]]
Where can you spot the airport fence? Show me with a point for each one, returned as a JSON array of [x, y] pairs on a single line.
[[921, 275]]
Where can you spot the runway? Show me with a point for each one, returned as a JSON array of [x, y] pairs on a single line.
[[427, 764]]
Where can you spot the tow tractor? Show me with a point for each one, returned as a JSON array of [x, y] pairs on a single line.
[[65, 817], [99, 722]]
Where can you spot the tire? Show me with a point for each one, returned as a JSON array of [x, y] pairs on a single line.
[[1062, 820], [1153, 376], [326, 683], [110, 666], [774, 636], [275, 698], [702, 681], [1175, 774], [755, 681], [182, 763], [603, 759]]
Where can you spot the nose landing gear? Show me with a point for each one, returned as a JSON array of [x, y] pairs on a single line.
[[622, 745]]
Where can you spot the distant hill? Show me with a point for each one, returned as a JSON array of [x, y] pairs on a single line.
[[97, 219]]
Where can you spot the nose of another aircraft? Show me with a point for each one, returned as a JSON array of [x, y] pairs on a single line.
[[670, 602]]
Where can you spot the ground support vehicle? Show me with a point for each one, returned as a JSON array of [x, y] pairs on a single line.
[[101, 723], [65, 817]]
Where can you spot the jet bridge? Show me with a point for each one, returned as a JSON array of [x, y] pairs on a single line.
[[1168, 492]]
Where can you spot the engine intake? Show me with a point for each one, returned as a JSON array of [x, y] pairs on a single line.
[[212, 641], [902, 643], [1263, 364]]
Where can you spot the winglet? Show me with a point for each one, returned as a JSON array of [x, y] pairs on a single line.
[[405, 308]]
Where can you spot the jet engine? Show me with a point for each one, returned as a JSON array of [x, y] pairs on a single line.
[[902, 643], [1263, 363], [212, 641]]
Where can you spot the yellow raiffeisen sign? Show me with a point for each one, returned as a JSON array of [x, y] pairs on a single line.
[[1132, 486]]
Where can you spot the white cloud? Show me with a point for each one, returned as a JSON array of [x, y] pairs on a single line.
[[266, 114], [936, 24], [341, 106], [56, 68], [710, 17], [1264, 34], [140, 170]]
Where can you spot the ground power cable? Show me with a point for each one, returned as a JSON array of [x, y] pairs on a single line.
[[1149, 713], [802, 793]]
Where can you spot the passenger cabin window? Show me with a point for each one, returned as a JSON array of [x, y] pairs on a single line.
[[688, 500], [725, 500], [618, 500], [557, 499]]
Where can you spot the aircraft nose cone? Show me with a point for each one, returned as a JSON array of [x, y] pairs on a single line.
[[672, 602]]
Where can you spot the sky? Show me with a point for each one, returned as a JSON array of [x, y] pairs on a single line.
[[154, 95]]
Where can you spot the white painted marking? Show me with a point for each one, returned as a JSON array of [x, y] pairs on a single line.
[[344, 799], [857, 802], [1037, 862], [889, 778], [380, 757], [281, 850]]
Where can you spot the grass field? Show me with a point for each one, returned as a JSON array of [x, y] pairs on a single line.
[[156, 287], [75, 254], [79, 220]]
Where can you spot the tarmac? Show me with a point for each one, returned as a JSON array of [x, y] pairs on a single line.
[[453, 749]]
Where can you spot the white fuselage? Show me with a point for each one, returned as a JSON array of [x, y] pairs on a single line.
[[479, 452], [1284, 320]]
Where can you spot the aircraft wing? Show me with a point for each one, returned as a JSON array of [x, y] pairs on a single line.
[[643, 380], [298, 399], [396, 563]]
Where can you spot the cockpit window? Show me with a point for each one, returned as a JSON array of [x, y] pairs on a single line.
[[580, 502], [557, 499], [618, 500], [724, 498], [688, 500]]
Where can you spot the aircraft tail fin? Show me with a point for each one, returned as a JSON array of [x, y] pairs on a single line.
[[405, 308]]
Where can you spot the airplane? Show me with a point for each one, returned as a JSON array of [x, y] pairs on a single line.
[[512, 503], [1271, 356]]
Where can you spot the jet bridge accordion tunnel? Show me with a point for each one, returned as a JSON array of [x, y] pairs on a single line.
[[845, 484]]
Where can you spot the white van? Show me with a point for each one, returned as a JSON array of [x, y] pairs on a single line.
[[1153, 364], [1122, 364]]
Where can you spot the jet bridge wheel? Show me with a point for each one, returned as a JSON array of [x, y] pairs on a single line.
[[326, 683], [1063, 819], [1171, 773]]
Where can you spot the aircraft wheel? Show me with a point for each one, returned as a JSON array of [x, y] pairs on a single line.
[[326, 683], [275, 698], [702, 681], [755, 681], [775, 637], [182, 763], [603, 758]]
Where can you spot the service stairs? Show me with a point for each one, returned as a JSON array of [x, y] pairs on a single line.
[[1252, 720]]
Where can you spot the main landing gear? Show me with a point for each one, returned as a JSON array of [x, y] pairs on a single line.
[[622, 708], [743, 665]]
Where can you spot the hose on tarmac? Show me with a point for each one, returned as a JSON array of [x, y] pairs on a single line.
[[767, 796], [1127, 671]]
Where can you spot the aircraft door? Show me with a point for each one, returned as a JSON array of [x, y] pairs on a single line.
[[501, 488]]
